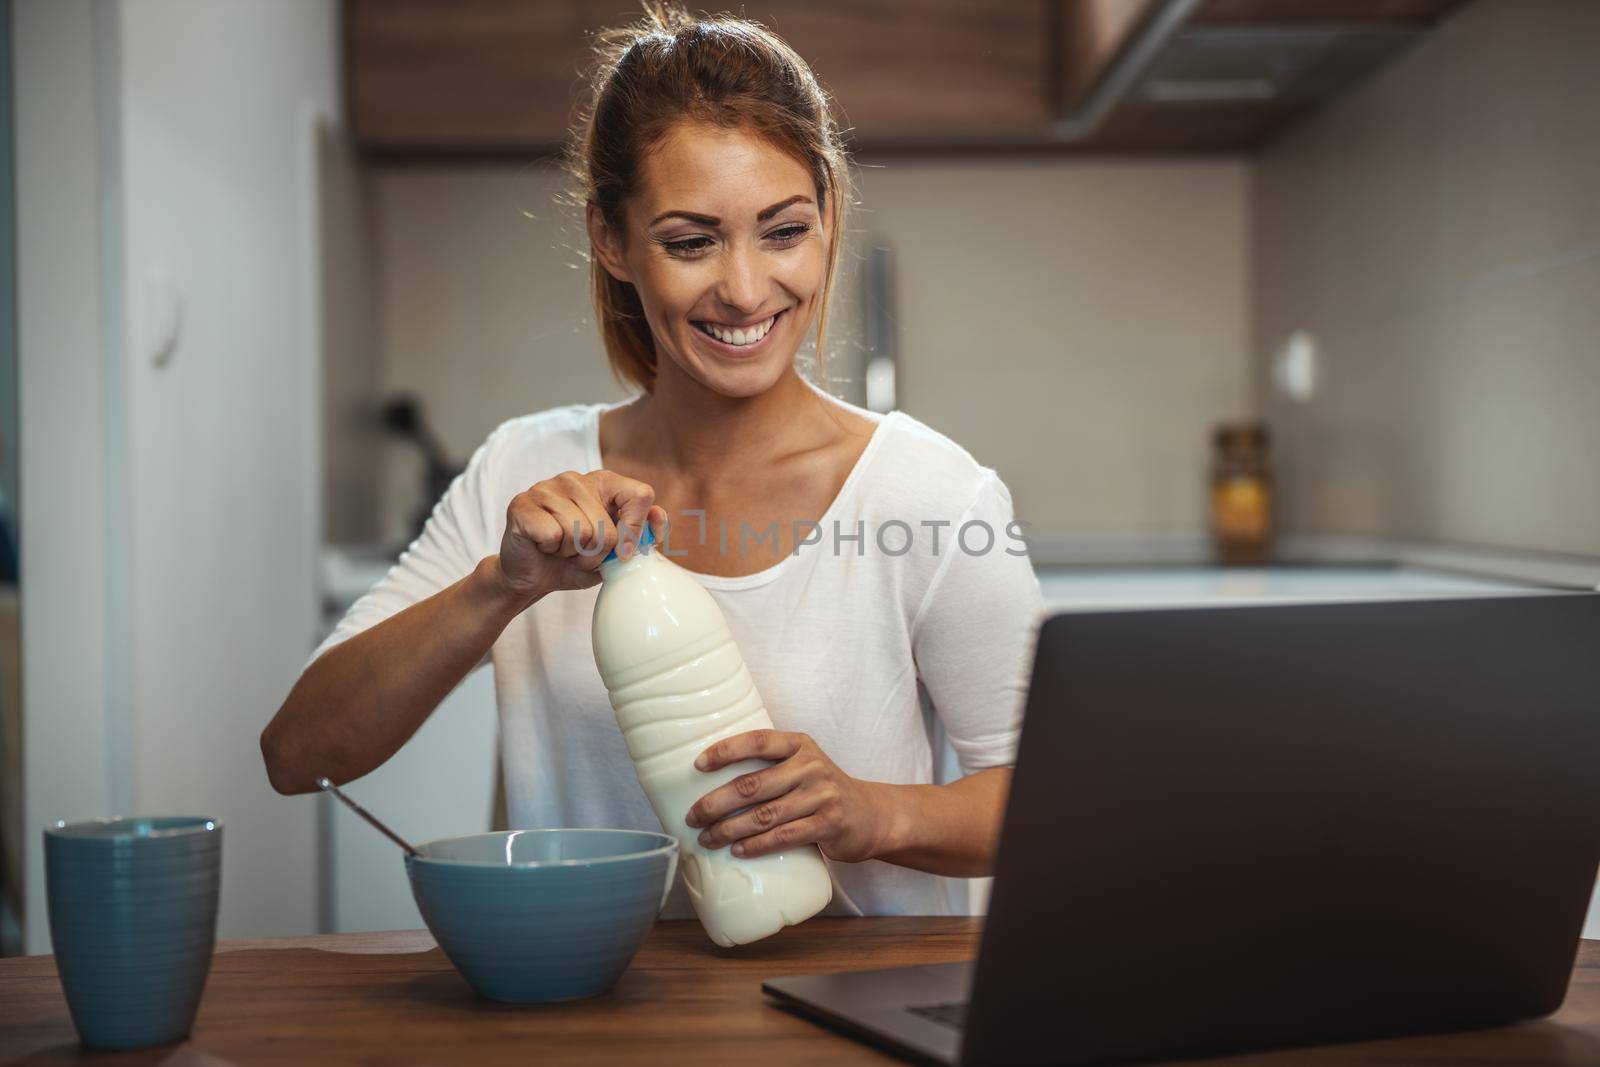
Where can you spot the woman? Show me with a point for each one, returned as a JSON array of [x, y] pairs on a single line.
[[874, 613]]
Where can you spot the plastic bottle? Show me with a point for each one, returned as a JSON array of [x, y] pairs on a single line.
[[678, 684]]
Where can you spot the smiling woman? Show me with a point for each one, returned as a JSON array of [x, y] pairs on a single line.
[[870, 569], [725, 294], [683, 106]]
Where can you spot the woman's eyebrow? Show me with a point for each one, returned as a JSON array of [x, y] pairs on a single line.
[[704, 220], [767, 213], [711, 220]]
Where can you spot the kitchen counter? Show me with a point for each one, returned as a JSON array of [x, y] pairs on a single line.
[[1115, 588], [394, 998]]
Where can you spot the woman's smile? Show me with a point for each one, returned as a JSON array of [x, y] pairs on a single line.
[[739, 342]]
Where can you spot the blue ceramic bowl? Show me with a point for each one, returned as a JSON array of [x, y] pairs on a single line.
[[531, 916], [133, 920]]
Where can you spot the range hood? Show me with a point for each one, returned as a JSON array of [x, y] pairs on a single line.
[[1183, 58], [1290, 64]]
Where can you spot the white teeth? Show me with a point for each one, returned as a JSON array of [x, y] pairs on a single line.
[[747, 335]]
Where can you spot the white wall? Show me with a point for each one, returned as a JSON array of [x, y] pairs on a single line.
[[1079, 326], [483, 307], [64, 552], [1437, 233], [1104, 300], [223, 587], [174, 601]]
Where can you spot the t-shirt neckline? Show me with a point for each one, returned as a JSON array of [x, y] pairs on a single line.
[[766, 574]]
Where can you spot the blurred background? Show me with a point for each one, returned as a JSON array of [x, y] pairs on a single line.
[[1244, 299]]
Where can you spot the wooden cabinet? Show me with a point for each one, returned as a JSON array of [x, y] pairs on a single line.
[[447, 76], [487, 77], [475, 76], [909, 68]]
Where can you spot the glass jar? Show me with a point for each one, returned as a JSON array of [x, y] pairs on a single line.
[[1241, 495]]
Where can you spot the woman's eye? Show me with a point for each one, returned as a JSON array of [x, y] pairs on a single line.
[[688, 246], [789, 234], [693, 246]]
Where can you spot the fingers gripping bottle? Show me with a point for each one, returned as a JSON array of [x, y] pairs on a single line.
[[678, 684]]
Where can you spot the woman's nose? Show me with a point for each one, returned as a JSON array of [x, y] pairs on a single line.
[[742, 285]]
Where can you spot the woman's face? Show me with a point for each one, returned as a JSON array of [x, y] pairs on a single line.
[[725, 244]]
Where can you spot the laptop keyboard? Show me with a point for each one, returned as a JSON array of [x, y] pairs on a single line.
[[953, 1014]]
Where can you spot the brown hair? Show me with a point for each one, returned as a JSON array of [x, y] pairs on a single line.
[[670, 67]]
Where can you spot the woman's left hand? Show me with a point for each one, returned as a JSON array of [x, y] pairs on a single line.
[[803, 799]]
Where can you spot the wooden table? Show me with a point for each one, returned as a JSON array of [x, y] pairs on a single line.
[[394, 999]]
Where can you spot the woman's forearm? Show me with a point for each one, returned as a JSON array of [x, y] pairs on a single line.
[[953, 830], [362, 699]]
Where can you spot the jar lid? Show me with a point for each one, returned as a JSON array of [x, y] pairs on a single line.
[[1236, 437]]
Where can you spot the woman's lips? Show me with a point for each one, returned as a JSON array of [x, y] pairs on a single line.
[[742, 351]]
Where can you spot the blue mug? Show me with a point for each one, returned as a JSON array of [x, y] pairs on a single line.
[[133, 920]]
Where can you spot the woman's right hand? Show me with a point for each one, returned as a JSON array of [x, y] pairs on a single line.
[[545, 525]]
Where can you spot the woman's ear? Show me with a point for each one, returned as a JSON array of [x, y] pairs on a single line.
[[605, 244]]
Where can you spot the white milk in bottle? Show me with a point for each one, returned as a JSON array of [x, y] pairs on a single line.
[[678, 684]]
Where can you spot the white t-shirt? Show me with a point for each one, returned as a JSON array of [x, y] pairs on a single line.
[[880, 652]]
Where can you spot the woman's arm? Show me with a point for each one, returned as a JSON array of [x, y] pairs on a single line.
[[362, 699], [358, 702], [952, 829]]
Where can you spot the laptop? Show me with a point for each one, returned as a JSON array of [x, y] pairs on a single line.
[[1248, 827]]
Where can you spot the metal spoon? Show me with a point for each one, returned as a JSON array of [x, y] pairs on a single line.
[[367, 815]]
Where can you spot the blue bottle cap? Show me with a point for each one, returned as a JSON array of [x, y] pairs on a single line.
[[646, 539]]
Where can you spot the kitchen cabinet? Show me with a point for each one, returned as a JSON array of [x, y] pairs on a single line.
[[451, 78], [491, 76]]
